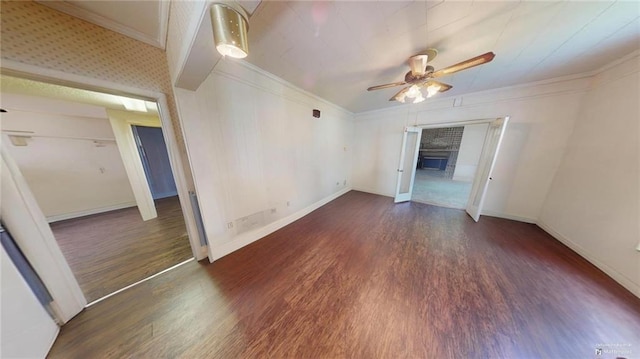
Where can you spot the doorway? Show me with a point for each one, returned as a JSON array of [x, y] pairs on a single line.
[[66, 150], [447, 162], [438, 153], [155, 161]]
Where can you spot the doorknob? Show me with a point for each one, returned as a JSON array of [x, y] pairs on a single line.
[[400, 170]]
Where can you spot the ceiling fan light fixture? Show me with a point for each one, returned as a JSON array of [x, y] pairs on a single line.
[[401, 97], [414, 91], [230, 28], [418, 98], [432, 90], [132, 104]]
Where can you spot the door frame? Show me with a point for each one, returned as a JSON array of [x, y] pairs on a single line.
[[476, 178], [36, 73]]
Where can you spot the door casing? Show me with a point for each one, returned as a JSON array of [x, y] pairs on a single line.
[[478, 187]]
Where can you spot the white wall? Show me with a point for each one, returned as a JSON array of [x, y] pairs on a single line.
[[254, 147], [26, 330], [593, 204], [542, 117], [68, 172], [470, 150]]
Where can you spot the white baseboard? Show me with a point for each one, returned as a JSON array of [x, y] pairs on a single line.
[[372, 192], [252, 236], [53, 340], [614, 274], [63, 216], [509, 216]]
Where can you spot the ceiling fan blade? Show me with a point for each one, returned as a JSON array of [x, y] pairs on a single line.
[[386, 86], [443, 87], [467, 64], [395, 97]]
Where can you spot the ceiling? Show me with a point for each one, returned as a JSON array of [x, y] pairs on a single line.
[[30, 88], [337, 50], [144, 20]]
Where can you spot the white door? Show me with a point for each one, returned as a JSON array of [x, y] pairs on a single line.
[[27, 329], [22, 216], [485, 166], [408, 162]]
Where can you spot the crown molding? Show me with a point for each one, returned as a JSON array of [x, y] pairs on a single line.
[[80, 13], [251, 67]]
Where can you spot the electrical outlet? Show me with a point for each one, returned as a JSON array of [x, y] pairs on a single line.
[[273, 210], [288, 204], [229, 225]]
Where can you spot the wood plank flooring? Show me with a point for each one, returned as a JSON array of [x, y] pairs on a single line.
[[362, 277], [111, 250]]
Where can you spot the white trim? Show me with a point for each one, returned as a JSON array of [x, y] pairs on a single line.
[[138, 282], [179, 176], [96, 19], [88, 212], [163, 30], [457, 123], [617, 62], [614, 274], [390, 195], [512, 217], [53, 339], [59, 113], [252, 236]]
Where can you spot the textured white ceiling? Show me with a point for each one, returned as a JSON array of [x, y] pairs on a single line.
[[337, 50], [42, 90]]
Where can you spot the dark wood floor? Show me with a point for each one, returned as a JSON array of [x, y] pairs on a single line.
[[364, 278], [111, 250]]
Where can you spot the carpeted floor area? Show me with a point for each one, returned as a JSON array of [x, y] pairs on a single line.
[[430, 187]]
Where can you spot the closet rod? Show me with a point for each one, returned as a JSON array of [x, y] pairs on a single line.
[[31, 134]]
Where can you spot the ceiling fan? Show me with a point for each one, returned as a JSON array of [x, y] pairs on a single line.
[[422, 75]]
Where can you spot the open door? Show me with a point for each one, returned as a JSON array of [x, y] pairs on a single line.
[[485, 166], [408, 162], [22, 216]]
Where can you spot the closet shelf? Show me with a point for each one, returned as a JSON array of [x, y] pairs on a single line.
[[431, 150]]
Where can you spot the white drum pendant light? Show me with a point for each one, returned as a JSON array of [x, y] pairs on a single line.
[[230, 29]]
